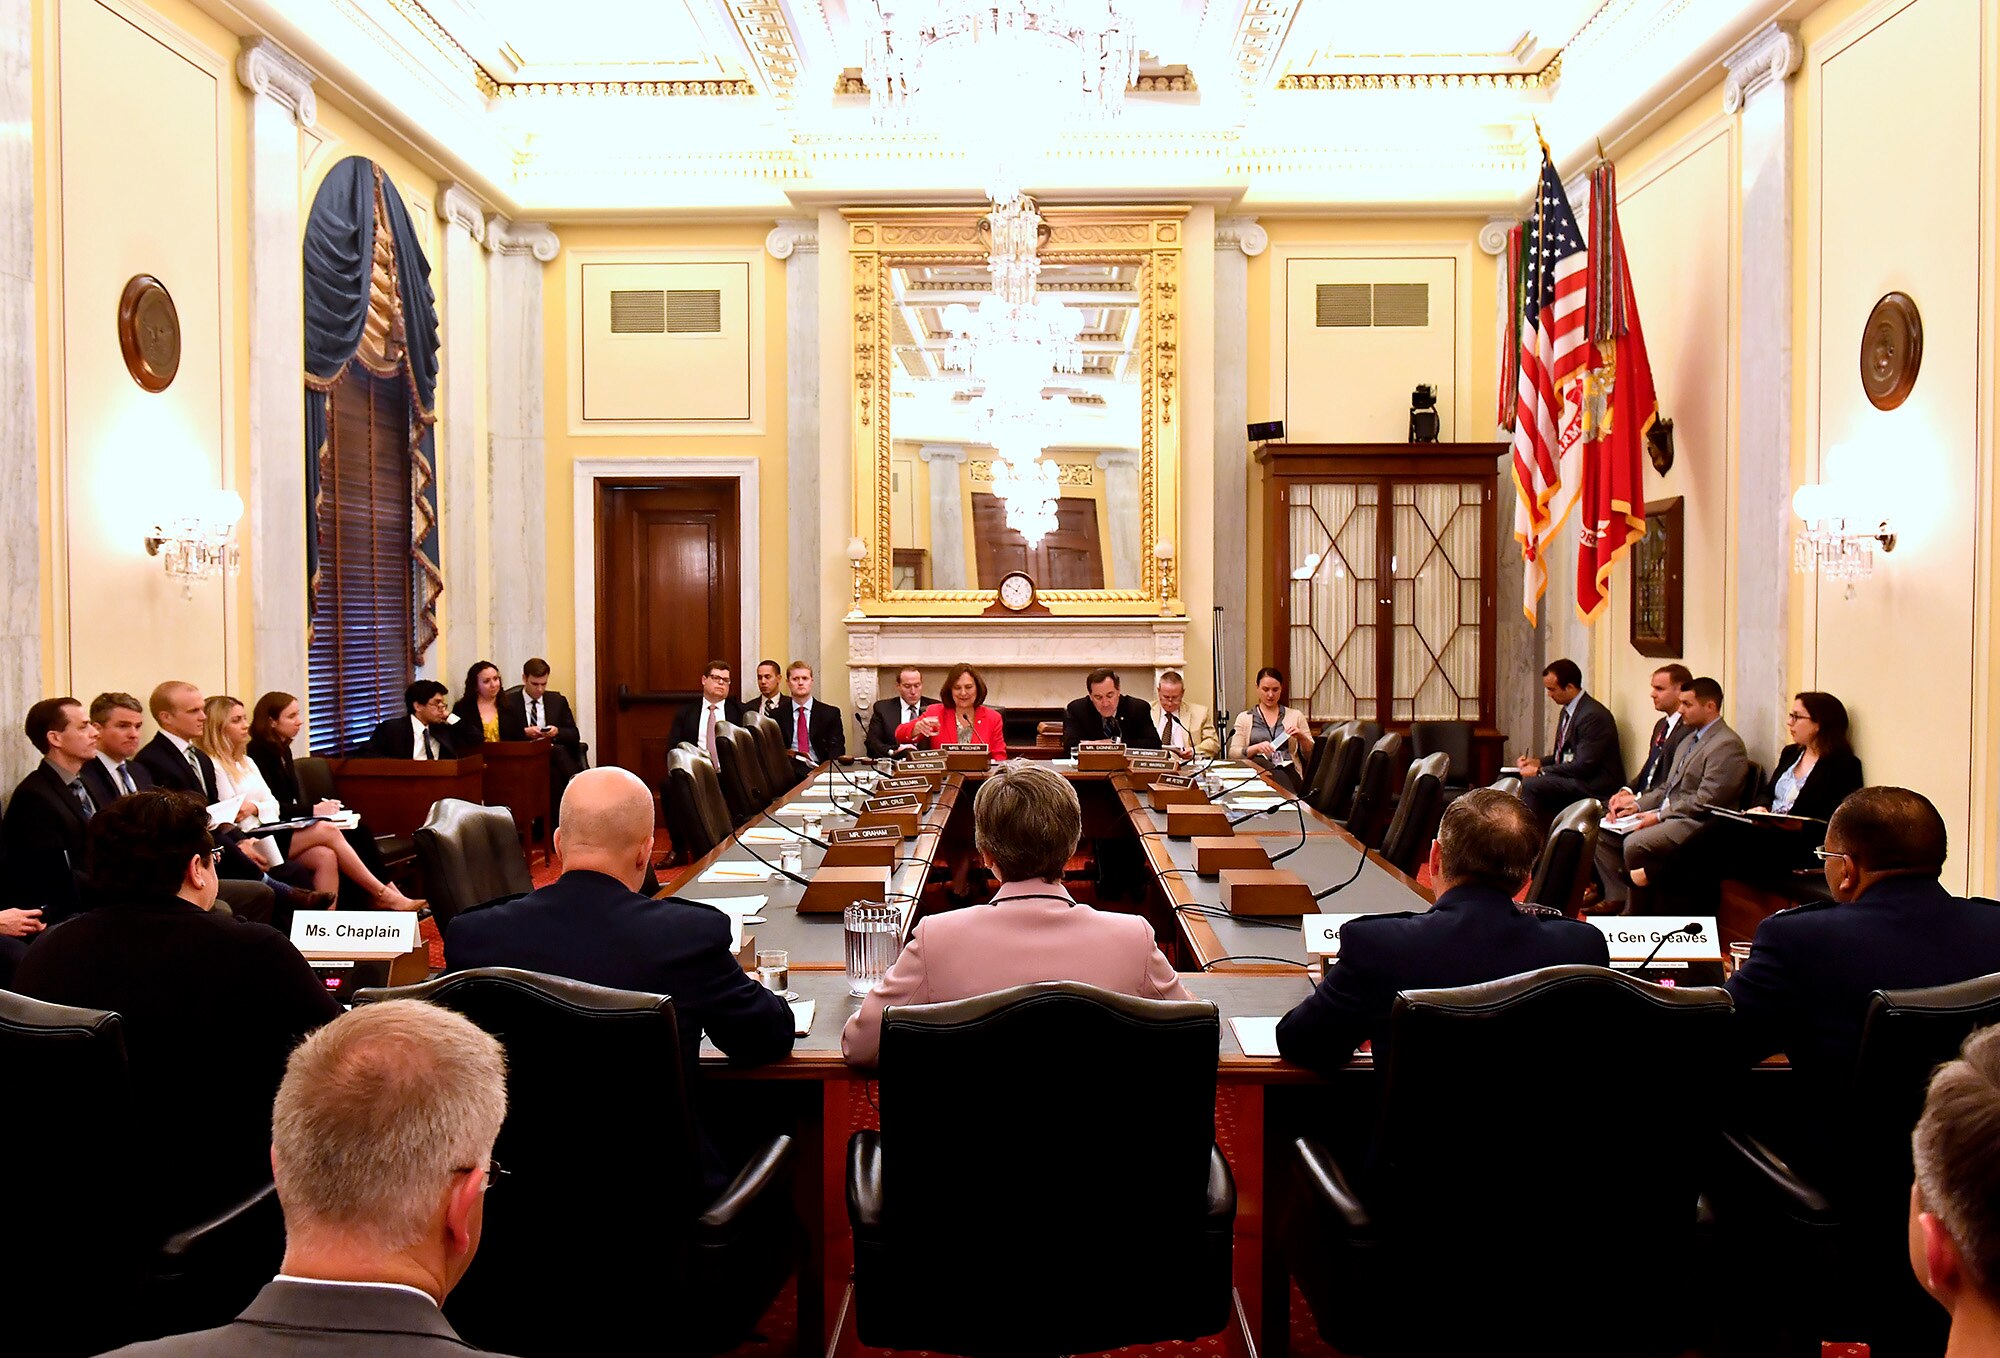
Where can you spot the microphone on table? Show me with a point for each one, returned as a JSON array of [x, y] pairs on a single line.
[[1352, 877], [790, 876], [1692, 929], [1235, 821]]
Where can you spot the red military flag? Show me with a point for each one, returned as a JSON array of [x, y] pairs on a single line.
[[1621, 405]]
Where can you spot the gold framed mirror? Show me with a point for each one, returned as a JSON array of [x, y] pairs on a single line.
[[936, 534]]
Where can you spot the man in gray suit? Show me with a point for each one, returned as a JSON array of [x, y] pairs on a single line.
[[381, 1220], [1708, 770]]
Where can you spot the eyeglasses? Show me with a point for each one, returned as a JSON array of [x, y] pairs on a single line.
[[1797, 716], [494, 1174], [1823, 854], [214, 855]]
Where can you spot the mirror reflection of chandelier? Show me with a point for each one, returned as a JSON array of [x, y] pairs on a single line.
[[952, 66]]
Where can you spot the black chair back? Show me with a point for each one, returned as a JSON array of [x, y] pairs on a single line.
[[1368, 813], [603, 1160], [741, 768], [1753, 783], [315, 777], [781, 771], [1453, 739], [1061, 1240], [1407, 841], [1568, 856], [469, 855], [69, 1110], [1321, 748], [697, 815], [1332, 792]]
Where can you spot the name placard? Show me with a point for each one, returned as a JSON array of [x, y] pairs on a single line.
[[1323, 933], [906, 802], [865, 835], [889, 786], [932, 760], [1149, 759], [968, 748], [1630, 939], [361, 935], [1100, 745], [1174, 780]]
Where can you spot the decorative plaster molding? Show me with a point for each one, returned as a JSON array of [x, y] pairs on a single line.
[[768, 36], [458, 206], [268, 70], [941, 452], [1260, 35], [1243, 233], [794, 235], [597, 89], [1767, 57], [522, 238], [1493, 235], [1519, 81]]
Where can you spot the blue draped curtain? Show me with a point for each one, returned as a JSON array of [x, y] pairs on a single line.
[[346, 286]]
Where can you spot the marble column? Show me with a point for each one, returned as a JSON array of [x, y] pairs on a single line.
[[283, 103], [1758, 89], [1237, 241], [1120, 467], [796, 241], [517, 480], [20, 481], [1518, 647], [463, 220], [947, 515]]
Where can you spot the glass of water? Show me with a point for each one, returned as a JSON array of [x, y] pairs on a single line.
[[811, 826], [790, 857], [874, 937], [1739, 953], [774, 971]]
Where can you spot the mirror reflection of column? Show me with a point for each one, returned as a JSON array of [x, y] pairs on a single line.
[[1121, 510], [947, 511]]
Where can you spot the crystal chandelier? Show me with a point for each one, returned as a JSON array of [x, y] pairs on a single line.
[[198, 542], [999, 77]]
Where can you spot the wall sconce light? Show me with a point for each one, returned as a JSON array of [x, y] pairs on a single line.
[[857, 552], [1163, 552], [199, 543], [1842, 527]]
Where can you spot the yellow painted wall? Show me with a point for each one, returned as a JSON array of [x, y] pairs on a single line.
[[564, 448]]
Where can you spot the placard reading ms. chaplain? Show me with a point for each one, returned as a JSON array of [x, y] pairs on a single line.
[[357, 935]]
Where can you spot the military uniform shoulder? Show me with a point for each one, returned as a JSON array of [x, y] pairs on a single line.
[[1541, 912], [1802, 910], [1383, 923]]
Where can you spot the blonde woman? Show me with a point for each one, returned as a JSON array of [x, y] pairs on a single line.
[[319, 849]]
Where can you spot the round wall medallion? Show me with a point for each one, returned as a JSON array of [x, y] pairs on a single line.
[[1892, 349], [149, 332]]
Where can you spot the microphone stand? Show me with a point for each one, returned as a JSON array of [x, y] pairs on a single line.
[[1691, 929], [1215, 670]]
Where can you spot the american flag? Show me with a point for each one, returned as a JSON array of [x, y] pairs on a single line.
[[1548, 423]]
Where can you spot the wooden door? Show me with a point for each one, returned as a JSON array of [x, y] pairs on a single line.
[[1072, 557], [668, 602]]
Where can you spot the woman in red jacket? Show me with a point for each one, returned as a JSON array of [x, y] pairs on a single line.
[[967, 721]]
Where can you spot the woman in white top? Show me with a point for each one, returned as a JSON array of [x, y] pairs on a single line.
[[1270, 731], [318, 849]]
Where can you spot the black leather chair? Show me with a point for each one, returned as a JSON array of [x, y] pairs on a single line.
[[469, 855], [316, 785], [1568, 858], [1831, 1216], [1753, 783], [782, 772], [1450, 1236], [1453, 739], [697, 815], [1331, 792], [990, 1213], [1368, 814], [741, 769], [1407, 841], [602, 1231]]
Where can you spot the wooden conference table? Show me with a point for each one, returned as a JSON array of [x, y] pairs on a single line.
[[1245, 967]]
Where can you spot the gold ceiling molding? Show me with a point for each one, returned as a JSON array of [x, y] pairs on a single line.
[[494, 88], [1516, 80], [1162, 80], [768, 36], [447, 46]]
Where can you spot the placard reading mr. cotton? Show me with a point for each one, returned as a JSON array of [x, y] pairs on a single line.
[[362, 935]]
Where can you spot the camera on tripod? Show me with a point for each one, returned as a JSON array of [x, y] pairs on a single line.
[[1424, 414]]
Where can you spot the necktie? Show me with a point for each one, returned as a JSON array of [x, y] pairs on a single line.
[[537, 722], [125, 777], [805, 740], [1167, 729], [708, 736], [430, 745], [195, 764], [1562, 732], [909, 712], [88, 807]]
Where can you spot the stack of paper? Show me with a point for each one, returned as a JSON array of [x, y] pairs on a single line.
[[802, 1016], [1256, 1036]]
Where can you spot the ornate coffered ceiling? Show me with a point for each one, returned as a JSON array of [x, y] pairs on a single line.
[[652, 106]]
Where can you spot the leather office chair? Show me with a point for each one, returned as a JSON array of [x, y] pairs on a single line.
[[1332, 792], [1568, 858], [603, 1231], [1753, 784], [316, 785], [1838, 1211], [740, 766], [989, 1219], [469, 855], [1368, 812], [1477, 1161], [1452, 739], [1407, 840], [1321, 747], [697, 815], [782, 772]]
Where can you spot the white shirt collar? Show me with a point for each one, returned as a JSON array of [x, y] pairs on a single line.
[[1673, 720], [111, 765], [338, 1282], [417, 729], [182, 745], [1569, 708]]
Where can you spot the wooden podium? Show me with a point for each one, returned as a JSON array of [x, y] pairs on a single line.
[[395, 795], [517, 777]]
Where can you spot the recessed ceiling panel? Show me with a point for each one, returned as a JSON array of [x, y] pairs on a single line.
[[533, 40]]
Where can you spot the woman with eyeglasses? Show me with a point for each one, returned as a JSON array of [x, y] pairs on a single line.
[[1817, 770]]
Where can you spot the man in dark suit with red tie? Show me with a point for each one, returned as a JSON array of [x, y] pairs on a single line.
[[1668, 733], [814, 731], [1585, 761]]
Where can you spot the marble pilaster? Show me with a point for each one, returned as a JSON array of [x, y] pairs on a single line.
[[20, 482], [517, 484], [796, 242], [282, 103], [1518, 646], [1758, 89], [463, 220], [947, 515], [1237, 241], [1121, 511]]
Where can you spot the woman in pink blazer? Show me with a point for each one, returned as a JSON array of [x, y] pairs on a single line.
[[968, 721]]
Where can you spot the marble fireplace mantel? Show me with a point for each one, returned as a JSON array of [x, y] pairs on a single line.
[[1027, 662]]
